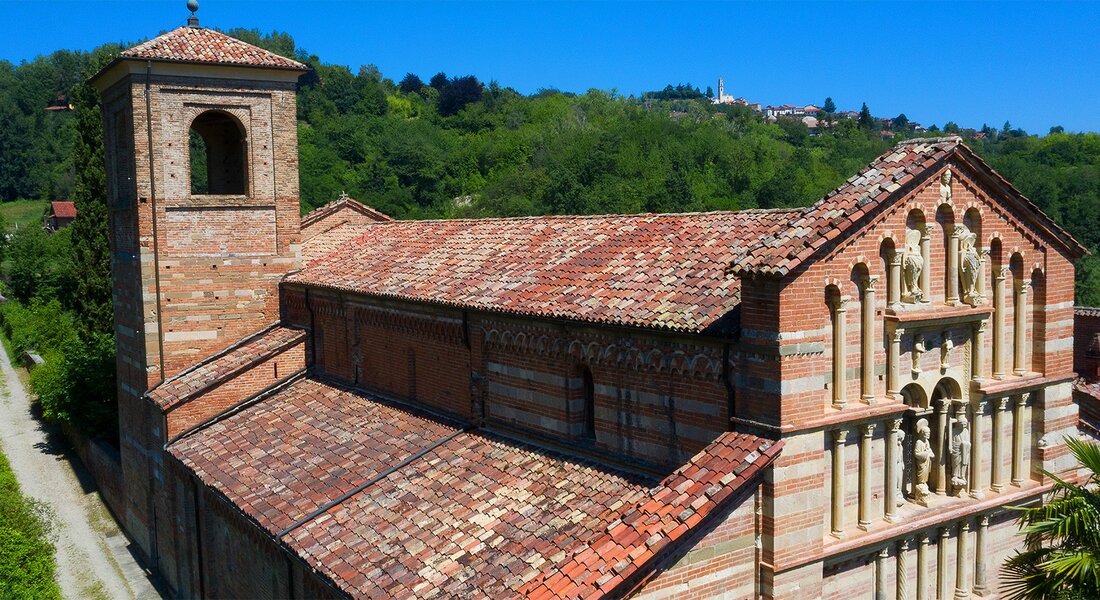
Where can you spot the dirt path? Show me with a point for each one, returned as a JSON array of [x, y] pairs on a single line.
[[92, 556]]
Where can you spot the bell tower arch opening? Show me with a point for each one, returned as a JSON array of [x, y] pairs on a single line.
[[218, 155]]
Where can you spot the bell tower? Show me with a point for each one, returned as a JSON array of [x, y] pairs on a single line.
[[201, 156]]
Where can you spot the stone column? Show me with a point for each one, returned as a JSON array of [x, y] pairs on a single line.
[[840, 436], [977, 363], [953, 266], [867, 341], [998, 478], [892, 475], [840, 360], [880, 573], [893, 281], [893, 368], [922, 567], [943, 442], [1019, 355], [999, 324], [977, 474], [941, 565], [867, 430], [1018, 448], [926, 254], [902, 568], [981, 586], [962, 586]]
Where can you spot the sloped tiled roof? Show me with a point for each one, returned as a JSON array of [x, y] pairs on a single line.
[[656, 519], [240, 356], [201, 45], [661, 271], [63, 210], [327, 242], [846, 206], [402, 505], [1086, 311], [344, 202]]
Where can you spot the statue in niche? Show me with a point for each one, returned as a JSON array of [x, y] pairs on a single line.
[[918, 349], [945, 349], [922, 461], [945, 187], [970, 266], [899, 468], [960, 455], [912, 263]]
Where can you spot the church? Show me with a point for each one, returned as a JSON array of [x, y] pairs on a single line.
[[837, 401]]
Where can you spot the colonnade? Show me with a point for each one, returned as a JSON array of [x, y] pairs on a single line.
[[978, 480], [971, 577]]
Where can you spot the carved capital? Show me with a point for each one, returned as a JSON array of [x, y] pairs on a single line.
[[898, 333], [1002, 404], [926, 232], [893, 257], [869, 283], [840, 303], [1002, 273], [1025, 285], [981, 326], [983, 521], [1020, 400], [895, 425], [840, 436], [960, 231], [964, 527], [867, 430]]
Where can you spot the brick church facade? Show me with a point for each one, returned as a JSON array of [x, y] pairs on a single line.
[[835, 401]]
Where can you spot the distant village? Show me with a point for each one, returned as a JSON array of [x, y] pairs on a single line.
[[815, 120]]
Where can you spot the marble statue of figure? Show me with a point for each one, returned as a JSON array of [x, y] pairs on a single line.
[[945, 350], [899, 468], [970, 264], [912, 263], [918, 350], [922, 461], [960, 454], [945, 187]]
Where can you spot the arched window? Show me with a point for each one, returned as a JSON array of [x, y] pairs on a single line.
[[219, 163], [589, 390]]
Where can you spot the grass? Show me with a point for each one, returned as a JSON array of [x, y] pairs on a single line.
[[27, 564], [23, 213]]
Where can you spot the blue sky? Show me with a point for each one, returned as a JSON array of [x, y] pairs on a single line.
[[1034, 64]]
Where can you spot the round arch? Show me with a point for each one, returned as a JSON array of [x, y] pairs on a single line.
[[218, 154]]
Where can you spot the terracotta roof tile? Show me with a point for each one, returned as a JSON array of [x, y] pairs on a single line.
[[230, 361], [660, 271], [448, 513], [63, 210], [344, 202], [1086, 311], [323, 244], [201, 45]]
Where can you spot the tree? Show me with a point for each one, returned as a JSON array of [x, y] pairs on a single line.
[[710, 92], [901, 122], [951, 127], [90, 252], [866, 121], [458, 93], [439, 81], [1062, 555], [1057, 129], [410, 84], [829, 107]]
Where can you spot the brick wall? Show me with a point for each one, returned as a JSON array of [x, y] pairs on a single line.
[[1086, 344], [720, 561]]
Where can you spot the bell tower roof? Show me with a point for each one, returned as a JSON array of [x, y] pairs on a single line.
[[192, 44]]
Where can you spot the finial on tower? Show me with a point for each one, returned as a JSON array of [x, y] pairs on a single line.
[[192, 5]]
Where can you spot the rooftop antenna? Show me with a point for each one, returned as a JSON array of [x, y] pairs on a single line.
[[192, 5]]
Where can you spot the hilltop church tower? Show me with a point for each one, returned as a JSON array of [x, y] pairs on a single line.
[[201, 158]]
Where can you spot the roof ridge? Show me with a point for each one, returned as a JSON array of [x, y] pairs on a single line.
[[931, 140], [743, 211]]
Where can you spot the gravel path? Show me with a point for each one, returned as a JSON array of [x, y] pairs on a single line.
[[92, 556]]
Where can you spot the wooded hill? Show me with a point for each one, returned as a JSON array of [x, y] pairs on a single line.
[[455, 146]]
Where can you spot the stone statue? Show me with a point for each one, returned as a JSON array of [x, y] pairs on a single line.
[[912, 263], [899, 468], [945, 349], [960, 454], [918, 349], [945, 187], [922, 461], [970, 266]]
